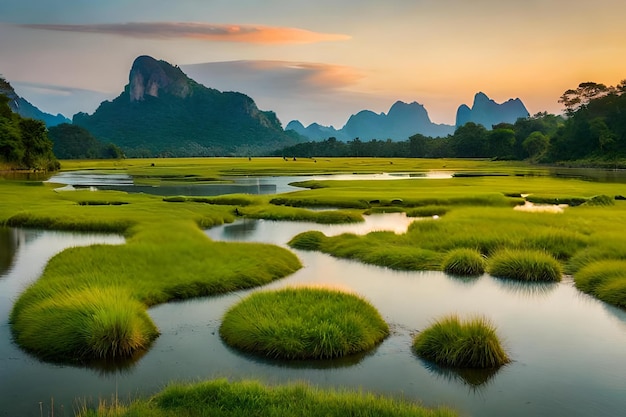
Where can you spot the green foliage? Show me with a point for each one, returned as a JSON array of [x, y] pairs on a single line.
[[74, 142], [536, 145], [303, 323], [470, 140], [186, 119], [251, 398], [464, 262], [524, 265], [454, 343], [24, 142]]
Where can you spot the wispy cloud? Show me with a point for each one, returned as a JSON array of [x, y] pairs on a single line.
[[308, 91], [288, 77], [202, 31]]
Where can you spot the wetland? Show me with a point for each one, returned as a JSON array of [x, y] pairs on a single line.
[[565, 346]]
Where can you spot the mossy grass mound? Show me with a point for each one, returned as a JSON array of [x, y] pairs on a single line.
[[91, 301], [85, 323], [464, 262], [303, 323], [251, 398], [605, 280], [524, 265], [461, 344]]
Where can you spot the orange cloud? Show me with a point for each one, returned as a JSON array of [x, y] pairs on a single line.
[[201, 31]]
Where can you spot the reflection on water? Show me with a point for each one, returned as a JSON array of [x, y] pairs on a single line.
[[280, 232], [526, 289], [344, 362], [229, 185], [9, 241], [475, 378]]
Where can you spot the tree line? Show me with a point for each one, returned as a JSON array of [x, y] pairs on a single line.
[[593, 128], [24, 143]]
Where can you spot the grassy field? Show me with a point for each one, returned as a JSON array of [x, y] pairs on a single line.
[[97, 296], [249, 399]]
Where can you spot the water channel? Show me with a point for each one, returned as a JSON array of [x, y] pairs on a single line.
[[567, 348]]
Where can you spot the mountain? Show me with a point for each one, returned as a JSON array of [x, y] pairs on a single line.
[[25, 109], [487, 112], [162, 112], [402, 121], [316, 131]]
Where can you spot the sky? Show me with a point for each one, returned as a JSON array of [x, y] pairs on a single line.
[[317, 61]]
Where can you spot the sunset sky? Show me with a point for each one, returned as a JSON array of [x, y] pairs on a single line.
[[317, 61]]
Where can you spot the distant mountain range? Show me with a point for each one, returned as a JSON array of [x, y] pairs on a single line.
[[25, 109], [404, 120], [162, 112], [487, 112]]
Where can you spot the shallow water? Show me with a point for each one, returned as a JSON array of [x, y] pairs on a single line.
[[568, 349], [229, 185]]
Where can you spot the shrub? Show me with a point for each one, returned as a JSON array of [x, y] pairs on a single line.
[[463, 261], [453, 343], [524, 265], [303, 323]]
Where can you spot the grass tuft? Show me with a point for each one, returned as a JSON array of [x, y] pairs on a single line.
[[303, 323], [524, 265], [464, 262], [461, 344]]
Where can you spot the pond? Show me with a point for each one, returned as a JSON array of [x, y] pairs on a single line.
[[567, 348]]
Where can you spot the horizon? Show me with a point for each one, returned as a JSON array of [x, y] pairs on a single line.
[[317, 63]]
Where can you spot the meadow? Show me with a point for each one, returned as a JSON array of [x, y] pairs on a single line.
[[465, 225]]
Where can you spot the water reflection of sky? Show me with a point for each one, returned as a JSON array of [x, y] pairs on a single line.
[[229, 185]]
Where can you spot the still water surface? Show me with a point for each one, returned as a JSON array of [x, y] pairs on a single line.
[[568, 349]]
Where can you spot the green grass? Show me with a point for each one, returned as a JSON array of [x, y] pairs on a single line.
[[91, 302], [221, 398], [464, 262], [427, 211], [525, 265], [378, 248], [605, 280], [303, 323], [478, 214], [272, 212], [454, 343]]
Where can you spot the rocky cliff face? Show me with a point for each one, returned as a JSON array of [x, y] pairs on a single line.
[[162, 112], [149, 77], [487, 112]]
